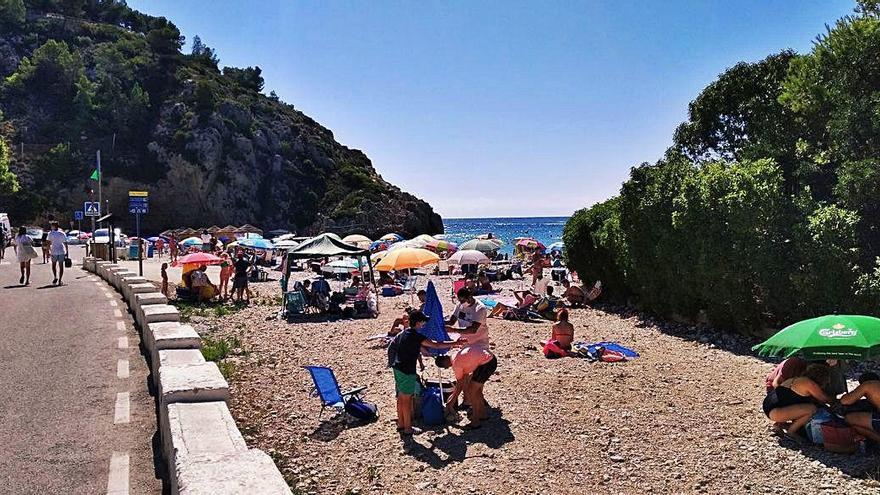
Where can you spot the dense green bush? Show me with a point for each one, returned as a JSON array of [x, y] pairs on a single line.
[[766, 209]]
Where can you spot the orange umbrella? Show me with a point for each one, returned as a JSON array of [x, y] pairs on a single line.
[[405, 258]]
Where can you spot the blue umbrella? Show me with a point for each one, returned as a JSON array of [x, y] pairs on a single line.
[[556, 246], [435, 329], [152, 239], [256, 243]]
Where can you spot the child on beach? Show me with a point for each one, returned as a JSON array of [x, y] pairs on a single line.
[[226, 270], [403, 353], [165, 279]]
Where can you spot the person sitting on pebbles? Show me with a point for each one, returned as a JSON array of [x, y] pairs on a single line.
[[797, 399], [403, 354], [400, 323], [867, 423], [561, 337]]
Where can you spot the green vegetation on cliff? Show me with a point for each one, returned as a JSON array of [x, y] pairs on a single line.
[[78, 76], [766, 209]]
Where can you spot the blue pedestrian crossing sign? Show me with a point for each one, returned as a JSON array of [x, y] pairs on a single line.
[[92, 209], [77, 215]]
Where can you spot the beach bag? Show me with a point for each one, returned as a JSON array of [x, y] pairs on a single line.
[[838, 438], [68, 262], [432, 407], [362, 410], [814, 427]]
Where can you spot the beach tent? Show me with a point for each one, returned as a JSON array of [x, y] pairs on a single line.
[[325, 246]]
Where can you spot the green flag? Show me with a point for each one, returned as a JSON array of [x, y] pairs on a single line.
[[95, 175]]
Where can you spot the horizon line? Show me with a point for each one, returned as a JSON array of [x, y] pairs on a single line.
[[498, 218]]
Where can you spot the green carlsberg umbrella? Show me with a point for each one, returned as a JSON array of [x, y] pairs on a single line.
[[826, 337]]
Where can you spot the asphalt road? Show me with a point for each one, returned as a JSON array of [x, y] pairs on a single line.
[[76, 415]]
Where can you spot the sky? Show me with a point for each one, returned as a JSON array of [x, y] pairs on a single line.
[[499, 108]]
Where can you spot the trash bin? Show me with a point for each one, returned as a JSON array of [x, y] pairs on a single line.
[[150, 251], [133, 251]]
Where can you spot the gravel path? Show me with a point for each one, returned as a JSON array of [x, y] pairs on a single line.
[[685, 417]]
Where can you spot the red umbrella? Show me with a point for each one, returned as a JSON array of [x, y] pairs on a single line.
[[198, 259]]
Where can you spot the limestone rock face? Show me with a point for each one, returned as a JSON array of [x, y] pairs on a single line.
[[211, 148]]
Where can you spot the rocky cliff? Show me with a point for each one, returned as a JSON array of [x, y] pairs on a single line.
[[208, 144]]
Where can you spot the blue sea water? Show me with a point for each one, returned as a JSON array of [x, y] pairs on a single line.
[[545, 229]]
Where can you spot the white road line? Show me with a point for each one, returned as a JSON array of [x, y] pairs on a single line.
[[117, 313], [120, 325], [122, 369], [114, 304], [122, 343], [122, 410], [117, 480]]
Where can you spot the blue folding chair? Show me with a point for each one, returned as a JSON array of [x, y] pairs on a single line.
[[327, 389]]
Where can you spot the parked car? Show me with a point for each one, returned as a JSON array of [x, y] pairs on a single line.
[[102, 236], [36, 234]]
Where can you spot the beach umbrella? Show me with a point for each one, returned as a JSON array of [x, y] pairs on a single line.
[[192, 241], [378, 256], [425, 237], [198, 259], [353, 239], [468, 257], [152, 239], [391, 238], [530, 244], [481, 245], [256, 243], [402, 259], [284, 237], [442, 246], [490, 237], [285, 244], [330, 234], [826, 337], [347, 265], [556, 246], [379, 246]]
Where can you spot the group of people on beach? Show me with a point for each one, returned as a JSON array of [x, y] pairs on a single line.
[[473, 363], [798, 389], [55, 251]]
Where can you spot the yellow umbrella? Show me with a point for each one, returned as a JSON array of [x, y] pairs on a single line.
[[402, 259], [378, 256]]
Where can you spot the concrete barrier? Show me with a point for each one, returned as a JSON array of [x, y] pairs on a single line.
[[191, 383], [136, 285], [101, 268], [89, 264], [154, 313], [109, 270], [118, 275], [196, 430], [169, 335], [138, 300], [251, 472], [180, 357]]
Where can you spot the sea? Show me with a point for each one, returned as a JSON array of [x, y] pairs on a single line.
[[545, 229]]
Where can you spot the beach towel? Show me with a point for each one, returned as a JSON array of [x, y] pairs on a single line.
[[435, 329], [604, 351]]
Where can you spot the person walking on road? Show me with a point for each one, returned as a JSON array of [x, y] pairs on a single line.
[[240, 281], [59, 251], [24, 252], [2, 242], [172, 248]]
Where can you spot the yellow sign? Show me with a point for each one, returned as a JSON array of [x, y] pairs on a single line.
[[138, 194]]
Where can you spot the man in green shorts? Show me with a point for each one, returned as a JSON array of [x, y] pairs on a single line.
[[404, 352]]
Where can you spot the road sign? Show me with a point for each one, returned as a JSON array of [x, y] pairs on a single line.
[[138, 202], [92, 209], [77, 215]]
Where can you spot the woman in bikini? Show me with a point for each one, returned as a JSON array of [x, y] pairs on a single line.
[[797, 399], [561, 337]]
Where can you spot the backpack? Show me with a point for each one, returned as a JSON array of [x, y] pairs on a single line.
[[362, 410]]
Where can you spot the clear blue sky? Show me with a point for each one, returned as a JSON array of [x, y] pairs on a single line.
[[498, 108]]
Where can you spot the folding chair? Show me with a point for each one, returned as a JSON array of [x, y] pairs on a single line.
[[327, 389], [294, 303]]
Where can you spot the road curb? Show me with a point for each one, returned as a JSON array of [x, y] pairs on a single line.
[[204, 450]]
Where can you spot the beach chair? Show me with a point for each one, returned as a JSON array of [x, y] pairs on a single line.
[[443, 267], [327, 389]]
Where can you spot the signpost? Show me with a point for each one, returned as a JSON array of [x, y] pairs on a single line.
[[137, 206], [78, 216]]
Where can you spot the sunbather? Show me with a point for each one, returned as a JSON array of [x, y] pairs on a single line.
[[575, 296], [524, 302], [796, 399], [403, 322], [866, 423], [484, 286], [561, 337], [407, 347]]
